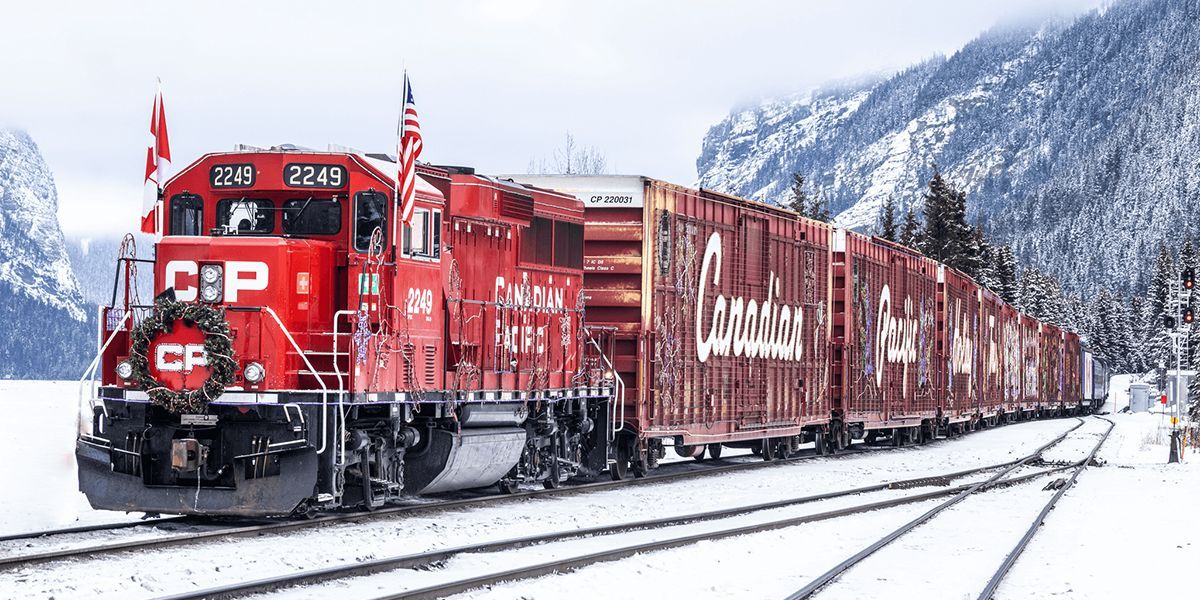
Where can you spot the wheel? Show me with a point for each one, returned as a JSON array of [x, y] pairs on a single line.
[[783, 449], [768, 449], [620, 469], [871, 437], [756, 450], [553, 478], [897, 437], [819, 442], [507, 486], [714, 450]]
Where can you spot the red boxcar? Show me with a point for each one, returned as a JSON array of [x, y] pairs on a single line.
[[992, 400], [884, 334], [719, 308], [958, 330], [1071, 374], [1011, 336], [1051, 368], [1031, 362]]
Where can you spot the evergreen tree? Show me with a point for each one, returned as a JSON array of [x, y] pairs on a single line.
[[887, 225], [1138, 335], [1159, 308], [820, 208], [910, 229], [984, 260], [946, 237], [1007, 285], [799, 199]]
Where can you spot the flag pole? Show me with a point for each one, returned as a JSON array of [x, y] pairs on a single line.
[[158, 201], [396, 241]]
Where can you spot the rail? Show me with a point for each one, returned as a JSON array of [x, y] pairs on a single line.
[[89, 374], [990, 589]]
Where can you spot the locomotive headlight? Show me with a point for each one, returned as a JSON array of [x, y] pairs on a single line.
[[210, 273], [211, 281], [253, 372], [210, 294], [124, 369]]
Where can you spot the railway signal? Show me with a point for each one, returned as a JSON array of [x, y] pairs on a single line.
[[1187, 315], [1189, 278]]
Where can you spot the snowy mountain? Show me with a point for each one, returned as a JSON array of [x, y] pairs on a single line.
[[1076, 140], [46, 329], [94, 260]]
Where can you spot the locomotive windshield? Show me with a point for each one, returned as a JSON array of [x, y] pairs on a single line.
[[243, 216], [312, 217]]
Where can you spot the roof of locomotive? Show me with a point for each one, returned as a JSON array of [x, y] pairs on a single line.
[[380, 166]]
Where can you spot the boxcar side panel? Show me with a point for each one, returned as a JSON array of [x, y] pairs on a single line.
[[991, 353], [959, 319], [887, 298]]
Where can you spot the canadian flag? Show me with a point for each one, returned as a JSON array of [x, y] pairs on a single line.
[[158, 161]]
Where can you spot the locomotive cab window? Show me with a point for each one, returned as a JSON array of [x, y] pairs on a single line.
[[423, 235], [243, 216], [310, 216], [187, 215], [370, 213]]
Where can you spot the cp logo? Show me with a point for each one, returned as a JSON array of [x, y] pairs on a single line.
[[180, 358], [240, 276]]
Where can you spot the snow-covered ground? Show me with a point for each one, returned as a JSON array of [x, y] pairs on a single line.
[[37, 459], [1109, 536]]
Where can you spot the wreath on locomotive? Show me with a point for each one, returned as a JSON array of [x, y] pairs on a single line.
[[218, 348]]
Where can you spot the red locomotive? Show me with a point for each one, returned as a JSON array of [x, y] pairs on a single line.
[[304, 351]]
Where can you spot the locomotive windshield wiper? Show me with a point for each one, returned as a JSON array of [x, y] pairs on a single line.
[[296, 217]]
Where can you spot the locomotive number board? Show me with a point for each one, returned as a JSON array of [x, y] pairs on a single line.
[[231, 176], [312, 175]]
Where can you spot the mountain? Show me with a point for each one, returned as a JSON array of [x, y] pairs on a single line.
[[94, 260], [1076, 140], [48, 329]]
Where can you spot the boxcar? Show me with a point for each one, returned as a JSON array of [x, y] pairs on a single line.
[[1070, 379], [1050, 368], [991, 344], [1011, 336], [719, 307], [1031, 363], [958, 318], [884, 336]]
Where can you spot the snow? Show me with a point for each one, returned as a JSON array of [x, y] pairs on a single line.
[[949, 557], [40, 488]]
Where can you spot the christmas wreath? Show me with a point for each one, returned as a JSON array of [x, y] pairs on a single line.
[[218, 348]]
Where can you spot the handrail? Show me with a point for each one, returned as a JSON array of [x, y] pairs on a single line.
[[618, 424], [336, 369], [90, 372], [311, 369]]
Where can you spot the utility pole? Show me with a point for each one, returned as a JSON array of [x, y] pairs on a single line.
[[1183, 307]]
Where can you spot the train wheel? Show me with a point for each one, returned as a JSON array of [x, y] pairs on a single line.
[[819, 441], [714, 450], [897, 437], [507, 486], [620, 469], [768, 449], [871, 437], [783, 449], [553, 478]]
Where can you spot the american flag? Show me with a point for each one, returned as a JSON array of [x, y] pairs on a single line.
[[408, 149]]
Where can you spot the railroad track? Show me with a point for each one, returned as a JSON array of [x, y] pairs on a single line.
[[685, 470], [815, 586], [673, 471], [147, 522], [990, 589], [436, 557]]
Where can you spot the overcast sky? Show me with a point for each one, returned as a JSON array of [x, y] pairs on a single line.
[[496, 83]]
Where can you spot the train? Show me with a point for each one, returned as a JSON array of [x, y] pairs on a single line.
[[305, 351]]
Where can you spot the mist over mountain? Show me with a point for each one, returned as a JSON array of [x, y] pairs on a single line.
[[1077, 140]]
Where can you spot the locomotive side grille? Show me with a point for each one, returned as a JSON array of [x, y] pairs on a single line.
[[430, 365], [515, 206]]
